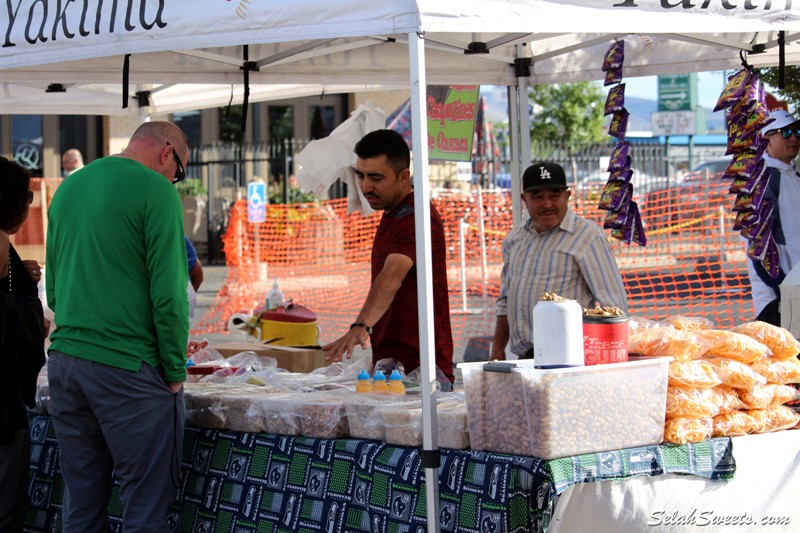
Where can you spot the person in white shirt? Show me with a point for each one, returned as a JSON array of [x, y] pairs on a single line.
[[784, 188]]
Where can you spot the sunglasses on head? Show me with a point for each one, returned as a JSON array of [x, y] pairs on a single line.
[[180, 173], [787, 132]]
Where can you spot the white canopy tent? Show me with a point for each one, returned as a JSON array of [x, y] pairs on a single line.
[[183, 46]]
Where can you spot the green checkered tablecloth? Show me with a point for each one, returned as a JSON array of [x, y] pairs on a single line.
[[245, 482]]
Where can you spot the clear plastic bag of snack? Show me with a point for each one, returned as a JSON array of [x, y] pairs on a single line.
[[690, 402], [782, 394], [774, 418], [758, 397], [668, 341], [734, 424], [688, 323], [684, 430], [731, 345], [735, 374], [696, 373], [781, 372], [780, 340], [727, 399]]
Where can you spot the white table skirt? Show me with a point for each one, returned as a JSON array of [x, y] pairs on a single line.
[[763, 496]]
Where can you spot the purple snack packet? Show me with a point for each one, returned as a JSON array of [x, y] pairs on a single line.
[[619, 157], [619, 124], [764, 224], [758, 245], [613, 76], [756, 120], [633, 229], [743, 163], [747, 219], [746, 184], [623, 174], [772, 258], [616, 195], [751, 200], [614, 56], [734, 89], [738, 139], [615, 100]]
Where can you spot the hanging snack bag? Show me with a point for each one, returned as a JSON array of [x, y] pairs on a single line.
[[734, 90], [615, 101]]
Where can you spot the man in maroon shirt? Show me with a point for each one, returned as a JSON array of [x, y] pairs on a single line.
[[389, 315]]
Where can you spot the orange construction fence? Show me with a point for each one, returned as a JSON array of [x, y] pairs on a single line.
[[694, 263]]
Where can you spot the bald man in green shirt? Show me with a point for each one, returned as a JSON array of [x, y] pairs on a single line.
[[116, 281]]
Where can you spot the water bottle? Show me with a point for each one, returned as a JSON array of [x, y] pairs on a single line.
[[396, 383], [379, 382], [275, 296], [364, 384]]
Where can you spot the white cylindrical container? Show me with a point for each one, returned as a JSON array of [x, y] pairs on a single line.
[[557, 334]]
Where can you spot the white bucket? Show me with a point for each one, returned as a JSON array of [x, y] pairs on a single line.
[[557, 334]]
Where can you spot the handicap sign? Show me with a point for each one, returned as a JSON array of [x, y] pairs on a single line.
[[256, 201]]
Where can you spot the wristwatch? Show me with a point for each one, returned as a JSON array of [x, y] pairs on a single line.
[[361, 325]]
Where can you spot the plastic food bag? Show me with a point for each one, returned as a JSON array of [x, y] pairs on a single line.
[[735, 374], [775, 418], [688, 323], [668, 341], [685, 430], [781, 372], [731, 345], [780, 340], [727, 399], [690, 402], [698, 373], [734, 424]]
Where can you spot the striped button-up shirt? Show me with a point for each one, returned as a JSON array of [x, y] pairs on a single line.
[[573, 260]]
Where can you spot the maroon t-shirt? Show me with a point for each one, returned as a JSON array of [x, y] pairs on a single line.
[[396, 335]]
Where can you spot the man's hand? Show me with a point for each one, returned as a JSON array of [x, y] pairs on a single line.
[[345, 344], [175, 386]]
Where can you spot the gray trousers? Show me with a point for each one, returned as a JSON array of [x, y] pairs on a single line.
[[109, 419]]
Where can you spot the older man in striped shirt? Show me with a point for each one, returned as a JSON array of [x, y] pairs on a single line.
[[554, 251]]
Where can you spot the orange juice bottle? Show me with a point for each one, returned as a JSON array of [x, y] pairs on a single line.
[[379, 382], [396, 383], [363, 384]]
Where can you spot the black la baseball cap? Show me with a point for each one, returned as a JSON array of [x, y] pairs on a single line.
[[543, 175]]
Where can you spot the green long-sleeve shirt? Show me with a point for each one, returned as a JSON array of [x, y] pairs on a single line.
[[116, 273]]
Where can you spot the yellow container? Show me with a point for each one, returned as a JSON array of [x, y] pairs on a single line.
[[289, 333]]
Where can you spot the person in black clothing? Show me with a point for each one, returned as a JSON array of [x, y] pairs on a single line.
[[22, 333]]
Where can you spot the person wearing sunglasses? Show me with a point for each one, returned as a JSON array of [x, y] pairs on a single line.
[[783, 137], [116, 281]]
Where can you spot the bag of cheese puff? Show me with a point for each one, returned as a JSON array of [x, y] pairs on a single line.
[[688, 323], [734, 346], [774, 419], [781, 372], [668, 341], [727, 399], [698, 373], [734, 424], [780, 340], [685, 430], [735, 374], [690, 402]]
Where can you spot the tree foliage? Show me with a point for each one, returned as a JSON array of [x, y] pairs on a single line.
[[791, 90], [567, 112]]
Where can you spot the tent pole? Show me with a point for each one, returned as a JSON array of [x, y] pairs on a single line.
[[513, 135], [419, 135]]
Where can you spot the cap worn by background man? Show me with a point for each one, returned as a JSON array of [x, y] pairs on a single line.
[[543, 175], [782, 119]]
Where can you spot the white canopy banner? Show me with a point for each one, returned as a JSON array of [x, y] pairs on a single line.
[[198, 49]]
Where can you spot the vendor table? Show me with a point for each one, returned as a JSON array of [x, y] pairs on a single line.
[[247, 482]]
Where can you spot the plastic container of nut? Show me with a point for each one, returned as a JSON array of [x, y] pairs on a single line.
[[568, 411]]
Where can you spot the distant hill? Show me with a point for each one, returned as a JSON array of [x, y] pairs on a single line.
[[640, 110]]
